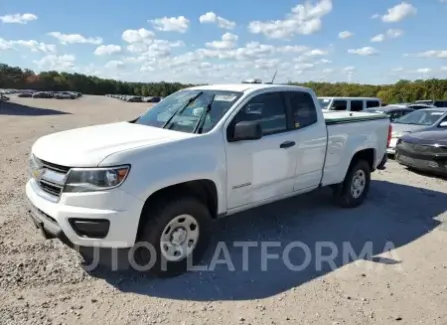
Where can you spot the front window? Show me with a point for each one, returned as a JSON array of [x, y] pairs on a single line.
[[421, 117], [191, 111], [324, 103]]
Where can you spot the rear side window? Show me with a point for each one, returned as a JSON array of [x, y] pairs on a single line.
[[339, 105], [303, 108], [356, 105], [372, 103]]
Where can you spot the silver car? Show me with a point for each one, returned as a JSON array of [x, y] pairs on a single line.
[[427, 119]]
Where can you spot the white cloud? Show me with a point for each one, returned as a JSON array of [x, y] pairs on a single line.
[[444, 68], [211, 17], [75, 39], [364, 51], [394, 33], [173, 24], [54, 62], [399, 12], [304, 19], [107, 49], [349, 69], [424, 70], [137, 35], [18, 18], [316, 52], [228, 42], [390, 33], [345, 34], [378, 38], [437, 54], [32, 45], [375, 16], [114, 64]]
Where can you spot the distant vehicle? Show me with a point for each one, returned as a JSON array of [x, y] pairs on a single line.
[[25, 94], [436, 103], [134, 99], [427, 119], [393, 111], [425, 151], [3, 98], [154, 99], [43, 94], [64, 95], [354, 104]]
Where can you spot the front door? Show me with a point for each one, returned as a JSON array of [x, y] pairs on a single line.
[[258, 170]]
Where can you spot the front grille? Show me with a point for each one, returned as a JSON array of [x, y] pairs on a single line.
[[422, 149], [51, 180]]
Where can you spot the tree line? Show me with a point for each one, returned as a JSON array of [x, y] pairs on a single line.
[[401, 91]]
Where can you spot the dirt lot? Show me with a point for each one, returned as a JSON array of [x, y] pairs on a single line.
[[43, 282]]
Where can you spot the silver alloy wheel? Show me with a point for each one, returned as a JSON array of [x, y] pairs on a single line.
[[179, 237], [358, 184]]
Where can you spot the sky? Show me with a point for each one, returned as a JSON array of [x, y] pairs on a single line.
[[201, 41]]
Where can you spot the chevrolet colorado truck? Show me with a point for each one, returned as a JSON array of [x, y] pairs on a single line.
[[202, 153]]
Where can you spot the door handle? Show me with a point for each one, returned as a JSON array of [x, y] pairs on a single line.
[[287, 144]]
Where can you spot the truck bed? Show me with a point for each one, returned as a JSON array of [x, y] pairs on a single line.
[[334, 117]]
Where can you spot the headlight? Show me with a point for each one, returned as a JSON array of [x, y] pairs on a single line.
[[95, 179]]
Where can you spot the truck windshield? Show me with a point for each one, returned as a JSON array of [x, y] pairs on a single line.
[[324, 102], [188, 110], [420, 117]]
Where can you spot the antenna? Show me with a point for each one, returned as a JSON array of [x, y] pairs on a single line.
[[273, 79]]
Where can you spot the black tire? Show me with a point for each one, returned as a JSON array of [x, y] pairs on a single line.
[[343, 194], [156, 219]]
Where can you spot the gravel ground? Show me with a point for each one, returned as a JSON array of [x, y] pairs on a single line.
[[43, 282]]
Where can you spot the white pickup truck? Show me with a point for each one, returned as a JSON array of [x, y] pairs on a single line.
[[202, 153]]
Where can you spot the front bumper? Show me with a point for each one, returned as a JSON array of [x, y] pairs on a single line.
[[111, 216], [426, 163]]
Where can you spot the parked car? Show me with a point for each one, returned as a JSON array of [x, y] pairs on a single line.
[[64, 95], [134, 99], [43, 94], [349, 103], [425, 151], [25, 94], [436, 103], [393, 111], [420, 120], [3, 98], [202, 153]]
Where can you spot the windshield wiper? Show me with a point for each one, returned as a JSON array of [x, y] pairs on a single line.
[[181, 109], [201, 121]]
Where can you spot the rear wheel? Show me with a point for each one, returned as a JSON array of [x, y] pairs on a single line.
[[352, 192], [174, 236]]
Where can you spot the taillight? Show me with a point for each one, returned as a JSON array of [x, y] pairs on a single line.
[[390, 132]]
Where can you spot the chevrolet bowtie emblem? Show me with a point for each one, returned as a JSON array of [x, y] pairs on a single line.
[[38, 173]]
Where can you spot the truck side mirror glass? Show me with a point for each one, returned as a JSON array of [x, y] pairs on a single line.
[[247, 130]]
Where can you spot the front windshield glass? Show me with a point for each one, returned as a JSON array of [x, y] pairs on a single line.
[[420, 117], [183, 110], [324, 103]]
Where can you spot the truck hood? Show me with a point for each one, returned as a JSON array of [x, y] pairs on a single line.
[[88, 146]]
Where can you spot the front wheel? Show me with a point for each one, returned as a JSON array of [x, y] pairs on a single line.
[[174, 236], [352, 192]]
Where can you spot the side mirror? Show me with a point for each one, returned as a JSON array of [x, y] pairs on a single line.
[[247, 130], [443, 124]]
